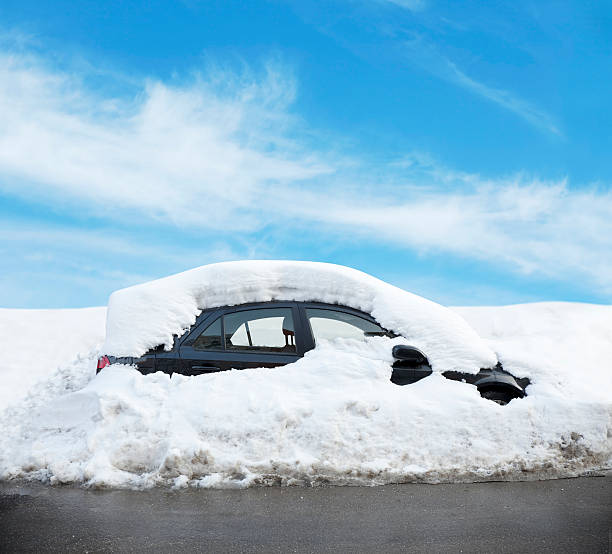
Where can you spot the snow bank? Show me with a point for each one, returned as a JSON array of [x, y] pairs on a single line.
[[568, 345], [148, 315], [36, 342], [333, 417]]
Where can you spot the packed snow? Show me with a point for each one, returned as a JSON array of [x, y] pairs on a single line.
[[331, 418], [151, 314]]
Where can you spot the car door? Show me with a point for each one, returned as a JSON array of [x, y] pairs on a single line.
[[254, 335], [328, 322]]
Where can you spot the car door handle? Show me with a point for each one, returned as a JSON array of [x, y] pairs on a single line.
[[205, 368]]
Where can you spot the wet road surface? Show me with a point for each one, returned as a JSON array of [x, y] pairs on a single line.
[[569, 515]]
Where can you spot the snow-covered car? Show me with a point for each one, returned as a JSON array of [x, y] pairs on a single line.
[[239, 315]]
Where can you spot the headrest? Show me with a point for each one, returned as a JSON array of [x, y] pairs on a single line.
[[288, 324]]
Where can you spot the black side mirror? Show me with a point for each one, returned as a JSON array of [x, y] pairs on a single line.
[[409, 354]]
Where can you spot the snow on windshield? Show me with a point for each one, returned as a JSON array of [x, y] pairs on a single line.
[[151, 314]]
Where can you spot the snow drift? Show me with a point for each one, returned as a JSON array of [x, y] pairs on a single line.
[[34, 343], [148, 315], [331, 418]]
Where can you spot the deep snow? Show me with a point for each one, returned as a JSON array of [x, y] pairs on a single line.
[[332, 417], [36, 342]]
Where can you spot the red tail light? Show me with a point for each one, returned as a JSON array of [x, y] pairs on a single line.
[[102, 362]]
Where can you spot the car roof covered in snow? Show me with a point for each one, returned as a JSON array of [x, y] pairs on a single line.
[[151, 314]]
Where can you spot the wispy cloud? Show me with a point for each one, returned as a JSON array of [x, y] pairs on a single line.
[[225, 152], [59, 265], [421, 36], [423, 53], [505, 99]]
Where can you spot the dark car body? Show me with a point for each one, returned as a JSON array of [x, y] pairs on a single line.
[[222, 339]]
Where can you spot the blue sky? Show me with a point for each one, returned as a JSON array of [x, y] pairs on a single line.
[[458, 150]]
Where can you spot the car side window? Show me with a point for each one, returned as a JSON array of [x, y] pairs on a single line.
[[210, 338], [332, 324], [266, 330]]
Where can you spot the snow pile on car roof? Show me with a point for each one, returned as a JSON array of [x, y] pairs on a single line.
[[148, 315]]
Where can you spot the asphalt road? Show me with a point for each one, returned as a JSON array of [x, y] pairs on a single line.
[[570, 515]]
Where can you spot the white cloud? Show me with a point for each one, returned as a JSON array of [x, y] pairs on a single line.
[[194, 153], [522, 224], [224, 152]]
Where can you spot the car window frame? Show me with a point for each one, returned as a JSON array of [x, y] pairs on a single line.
[[211, 316], [304, 339]]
